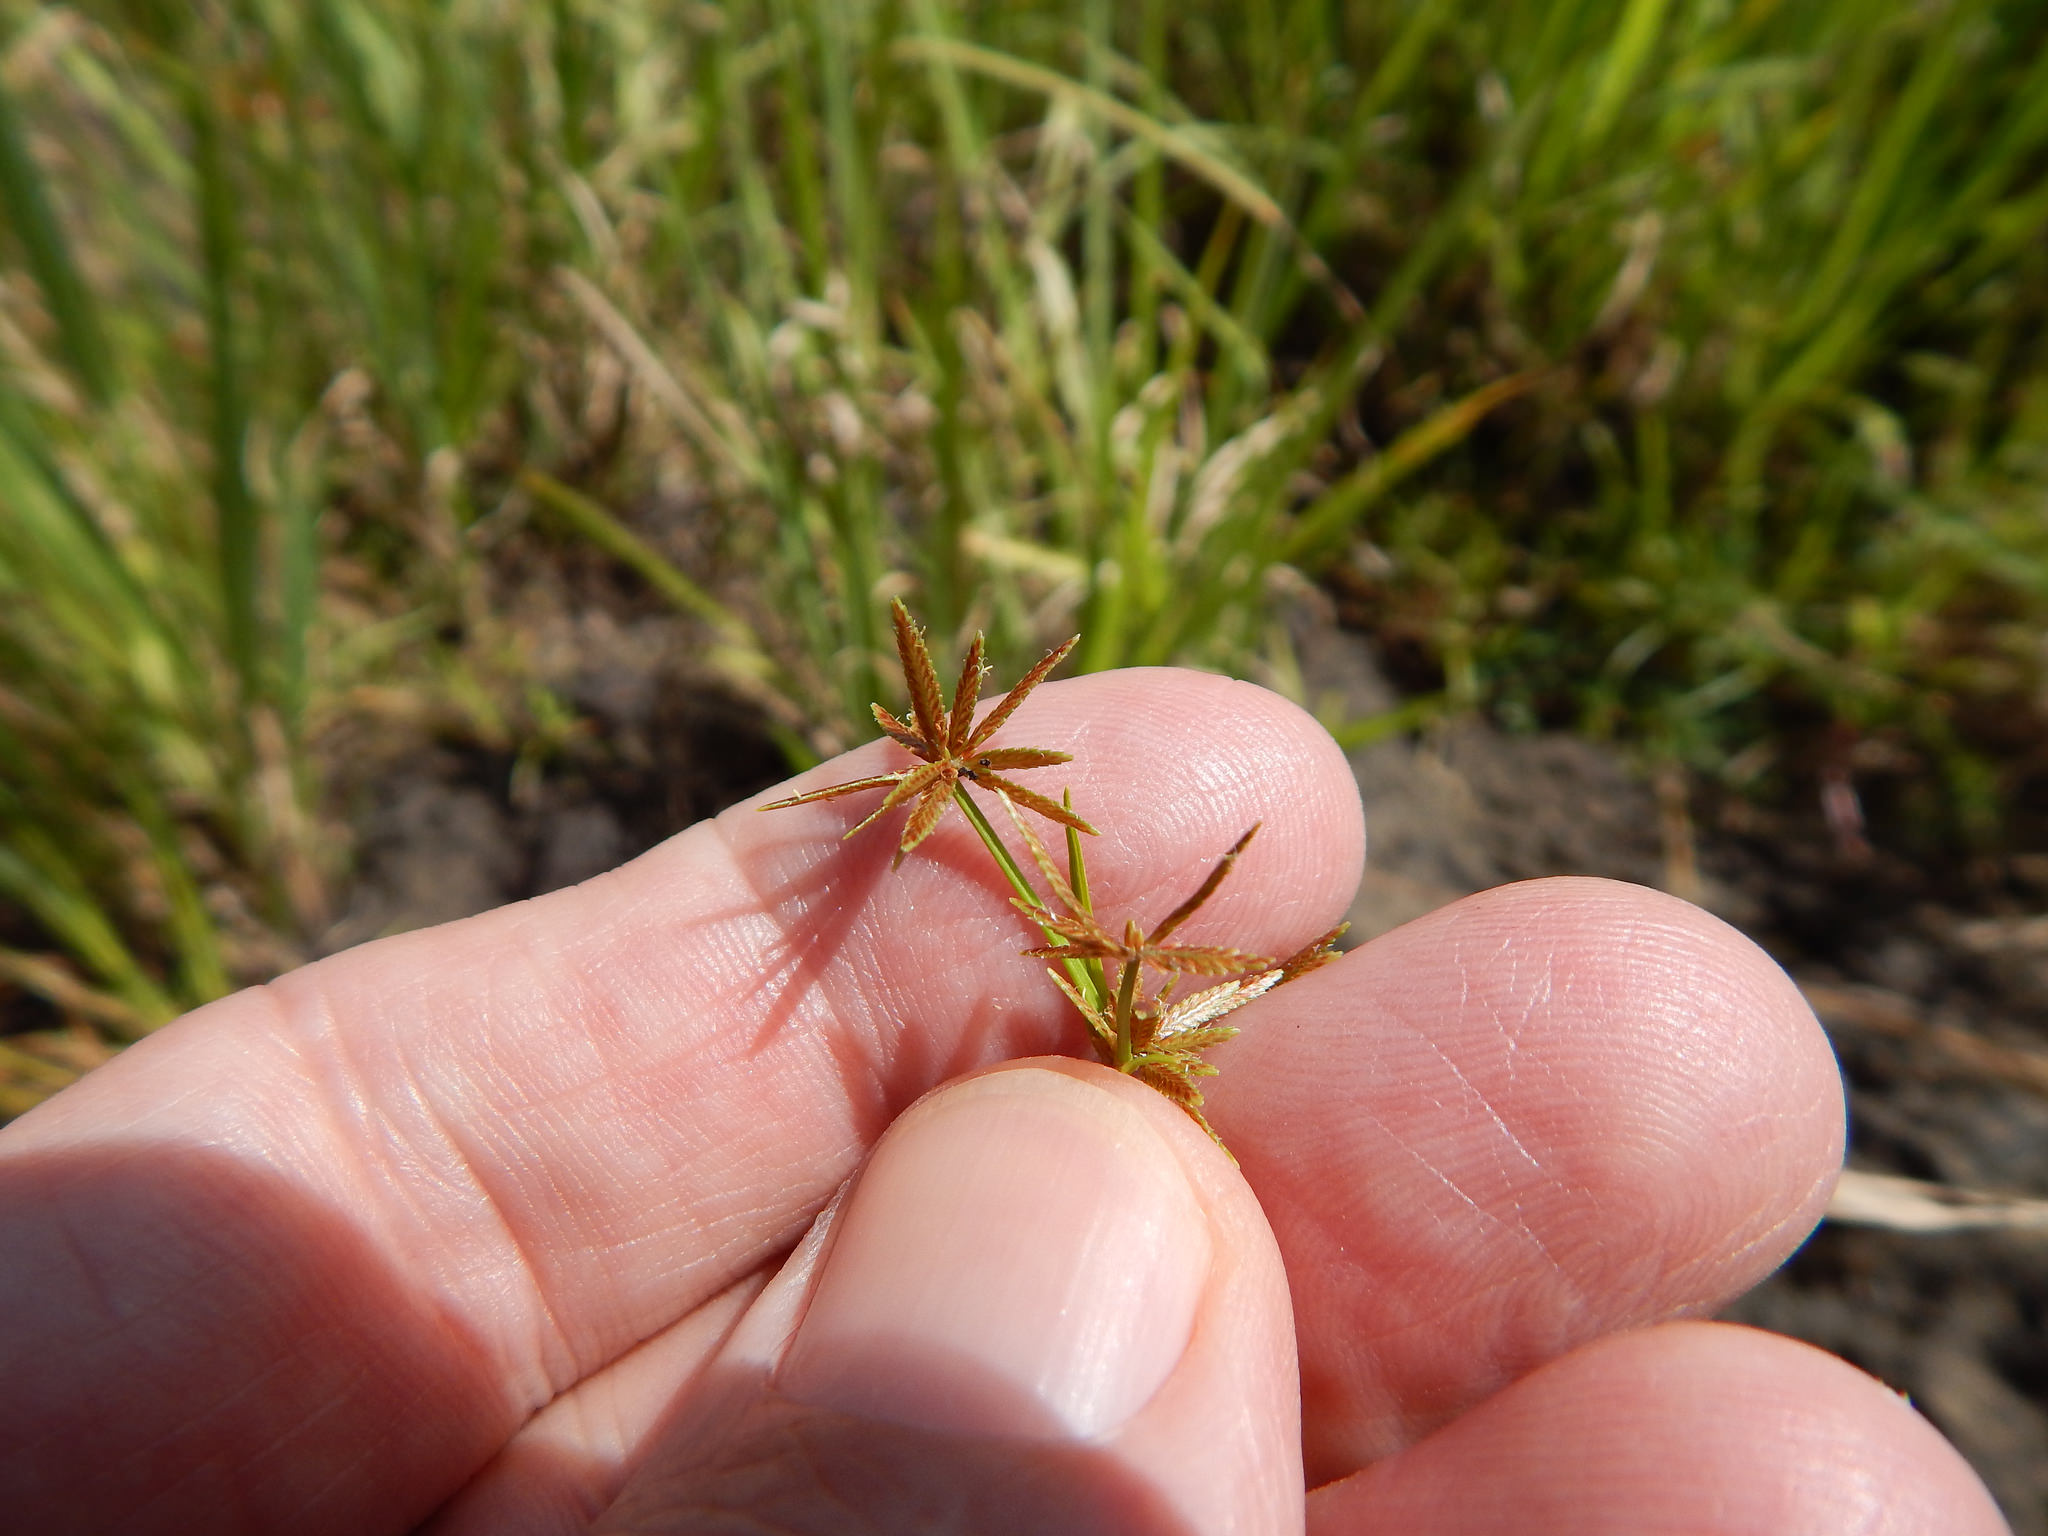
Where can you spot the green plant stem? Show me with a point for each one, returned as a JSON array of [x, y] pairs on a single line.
[[72, 305], [1004, 860], [1091, 987], [236, 530], [1077, 877], [593, 522], [1126, 1006]]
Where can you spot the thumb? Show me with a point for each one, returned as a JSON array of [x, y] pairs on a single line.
[[1047, 1304]]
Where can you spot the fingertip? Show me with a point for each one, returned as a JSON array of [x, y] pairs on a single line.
[[1043, 1292], [1701, 1428], [1699, 1060], [1561, 1108], [1023, 1255], [1179, 763]]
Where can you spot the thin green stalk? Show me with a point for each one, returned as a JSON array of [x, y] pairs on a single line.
[[800, 156], [27, 203], [33, 872], [1148, 193], [1335, 512], [1634, 39], [1194, 157], [1126, 1009], [1905, 121], [1099, 257], [236, 531], [33, 482], [1076, 970], [298, 577], [1077, 868], [1005, 861], [846, 165], [201, 964], [1077, 877], [590, 520]]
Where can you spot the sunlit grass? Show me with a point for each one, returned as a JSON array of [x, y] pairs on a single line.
[[1664, 370]]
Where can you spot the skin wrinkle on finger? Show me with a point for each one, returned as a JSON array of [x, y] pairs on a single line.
[[304, 1129], [569, 1461], [1510, 1148], [426, 1173], [541, 1353], [753, 1449], [598, 1097], [1481, 1209], [574, 1073], [1647, 1039]]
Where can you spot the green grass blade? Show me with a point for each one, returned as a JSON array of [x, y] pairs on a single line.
[[236, 531], [28, 207], [1334, 512], [591, 521], [1176, 144], [34, 874], [1627, 57]]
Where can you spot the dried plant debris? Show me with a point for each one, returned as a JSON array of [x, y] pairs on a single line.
[[1149, 1034]]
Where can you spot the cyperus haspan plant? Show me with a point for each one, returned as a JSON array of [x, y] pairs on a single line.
[[1149, 1035], [952, 746]]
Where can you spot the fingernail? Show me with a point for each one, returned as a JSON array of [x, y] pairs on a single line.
[[1022, 1256]]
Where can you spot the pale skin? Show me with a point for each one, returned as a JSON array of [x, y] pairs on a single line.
[[472, 1226]]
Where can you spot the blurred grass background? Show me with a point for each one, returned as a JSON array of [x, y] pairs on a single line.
[[1670, 370]]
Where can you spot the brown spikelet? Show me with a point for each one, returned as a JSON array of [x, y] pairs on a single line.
[[951, 746], [1120, 979]]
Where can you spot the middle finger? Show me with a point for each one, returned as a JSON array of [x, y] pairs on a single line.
[[1546, 1113]]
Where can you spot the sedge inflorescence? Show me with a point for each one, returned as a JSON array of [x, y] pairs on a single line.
[[1106, 970]]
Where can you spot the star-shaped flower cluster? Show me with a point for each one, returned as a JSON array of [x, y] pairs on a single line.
[[1149, 1035], [953, 748]]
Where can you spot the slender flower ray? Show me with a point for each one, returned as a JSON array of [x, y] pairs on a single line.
[[1152, 1038], [1146, 1034], [952, 749]]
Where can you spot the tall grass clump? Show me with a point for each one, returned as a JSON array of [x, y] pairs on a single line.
[[243, 339], [1669, 370], [1777, 508]]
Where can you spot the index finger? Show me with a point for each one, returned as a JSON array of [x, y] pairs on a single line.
[[373, 1215]]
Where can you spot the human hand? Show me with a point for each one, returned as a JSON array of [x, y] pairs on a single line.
[[482, 1220]]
